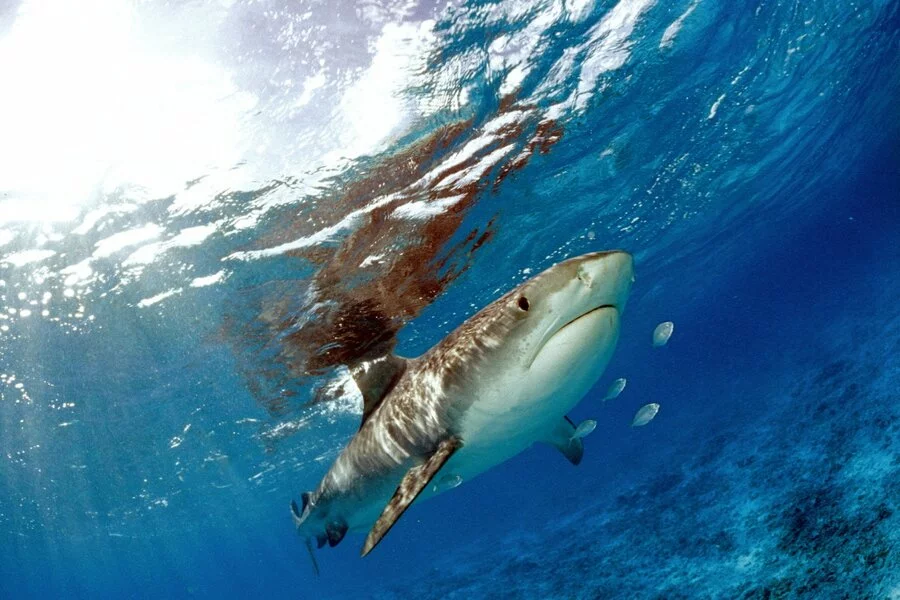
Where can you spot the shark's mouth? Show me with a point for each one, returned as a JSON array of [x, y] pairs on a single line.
[[553, 331], [579, 317]]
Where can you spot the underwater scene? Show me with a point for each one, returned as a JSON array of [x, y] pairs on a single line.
[[515, 299]]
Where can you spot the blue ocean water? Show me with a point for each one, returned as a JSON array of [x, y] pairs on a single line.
[[206, 209]]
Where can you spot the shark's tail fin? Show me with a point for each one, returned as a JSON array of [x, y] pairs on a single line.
[[335, 529], [299, 515], [312, 556]]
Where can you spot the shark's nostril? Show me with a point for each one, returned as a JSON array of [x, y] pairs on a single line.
[[585, 278]]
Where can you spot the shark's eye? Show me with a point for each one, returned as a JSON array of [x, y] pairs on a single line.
[[523, 303]]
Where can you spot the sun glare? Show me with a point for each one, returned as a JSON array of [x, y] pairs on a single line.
[[90, 105]]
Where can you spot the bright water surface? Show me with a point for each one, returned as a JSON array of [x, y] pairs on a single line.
[[206, 208]]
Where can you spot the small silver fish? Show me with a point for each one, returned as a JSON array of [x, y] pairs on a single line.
[[662, 333], [447, 482], [615, 389], [645, 414], [584, 428]]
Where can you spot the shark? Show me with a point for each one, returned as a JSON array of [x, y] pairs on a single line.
[[503, 380]]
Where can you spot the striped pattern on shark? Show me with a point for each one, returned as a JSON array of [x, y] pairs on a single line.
[[503, 380]]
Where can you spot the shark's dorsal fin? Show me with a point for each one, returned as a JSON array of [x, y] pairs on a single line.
[[563, 439], [410, 487], [375, 378]]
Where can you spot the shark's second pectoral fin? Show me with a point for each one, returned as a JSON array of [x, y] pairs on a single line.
[[410, 487], [563, 438]]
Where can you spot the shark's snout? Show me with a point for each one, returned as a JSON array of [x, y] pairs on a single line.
[[586, 277], [587, 288], [608, 277]]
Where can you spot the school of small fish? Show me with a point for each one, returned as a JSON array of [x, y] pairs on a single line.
[[646, 413]]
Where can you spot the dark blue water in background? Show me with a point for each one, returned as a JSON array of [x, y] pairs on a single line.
[[749, 159]]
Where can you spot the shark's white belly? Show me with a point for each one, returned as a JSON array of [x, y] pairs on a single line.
[[517, 409], [491, 438]]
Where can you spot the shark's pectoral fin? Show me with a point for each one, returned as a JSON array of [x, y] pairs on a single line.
[[563, 438], [410, 487]]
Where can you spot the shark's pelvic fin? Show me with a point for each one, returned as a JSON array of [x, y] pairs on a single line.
[[375, 379], [562, 437], [410, 487]]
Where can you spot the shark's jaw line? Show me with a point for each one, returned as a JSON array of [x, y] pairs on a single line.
[[553, 330], [583, 315]]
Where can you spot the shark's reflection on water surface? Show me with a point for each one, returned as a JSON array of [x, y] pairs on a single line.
[[392, 245]]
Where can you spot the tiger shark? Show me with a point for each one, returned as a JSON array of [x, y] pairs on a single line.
[[503, 380]]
